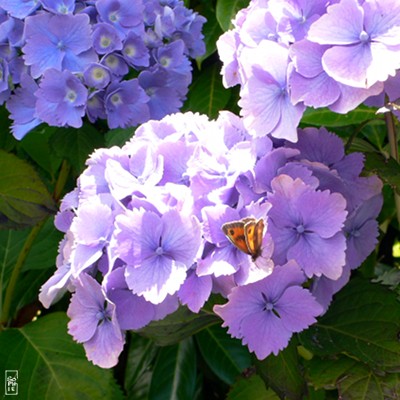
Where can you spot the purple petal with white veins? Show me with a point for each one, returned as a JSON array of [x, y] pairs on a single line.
[[195, 291]]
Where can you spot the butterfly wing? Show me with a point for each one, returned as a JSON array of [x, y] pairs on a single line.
[[234, 231], [253, 233]]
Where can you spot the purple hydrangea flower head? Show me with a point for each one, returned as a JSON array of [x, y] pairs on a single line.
[[265, 314], [265, 99], [363, 39], [57, 41], [125, 104], [61, 99], [94, 323], [158, 251], [305, 225]]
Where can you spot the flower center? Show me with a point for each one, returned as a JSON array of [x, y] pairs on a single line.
[[165, 61], [159, 251], [113, 17], [61, 45], [355, 233], [105, 42], [71, 96], [116, 99], [130, 51], [300, 229], [364, 37]]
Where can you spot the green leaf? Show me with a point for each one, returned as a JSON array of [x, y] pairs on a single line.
[[327, 118], [388, 169], [174, 375], [75, 145], [225, 356], [119, 136], [24, 199], [50, 365], [282, 373], [207, 95], [352, 379], [227, 10], [252, 388], [211, 31], [177, 326], [138, 373], [363, 322], [7, 140], [37, 146]]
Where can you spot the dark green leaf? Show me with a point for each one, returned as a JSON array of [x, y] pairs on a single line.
[[227, 10], [75, 145], [207, 94], [212, 31], [363, 322], [174, 375], [352, 379], [251, 389], [141, 355], [7, 140], [24, 199], [50, 365], [376, 133], [225, 356], [119, 136], [388, 169], [282, 373], [177, 326], [327, 118], [38, 148]]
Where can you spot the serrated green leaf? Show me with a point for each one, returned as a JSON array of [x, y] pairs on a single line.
[[363, 322], [177, 326], [226, 11], [282, 373], [388, 169], [252, 388], [24, 199], [37, 146], [211, 31], [207, 95], [138, 373], [225, 356], [75, 145], [174, 375], [327, 118], [50, 365], [353, 380]]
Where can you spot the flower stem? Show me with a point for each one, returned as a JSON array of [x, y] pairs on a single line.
[[394, 153], [17, 270], [58, 189]]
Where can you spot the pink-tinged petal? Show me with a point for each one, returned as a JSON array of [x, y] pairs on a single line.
[[104, 348], [323, 213], [342, 24], [317, 256], [195, 291], [264, 334], [298, 308], [349, 65]]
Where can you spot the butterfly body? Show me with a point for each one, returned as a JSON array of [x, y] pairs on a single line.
[[246, 234]]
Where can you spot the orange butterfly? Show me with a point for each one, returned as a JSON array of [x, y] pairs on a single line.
[[246, 234]]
